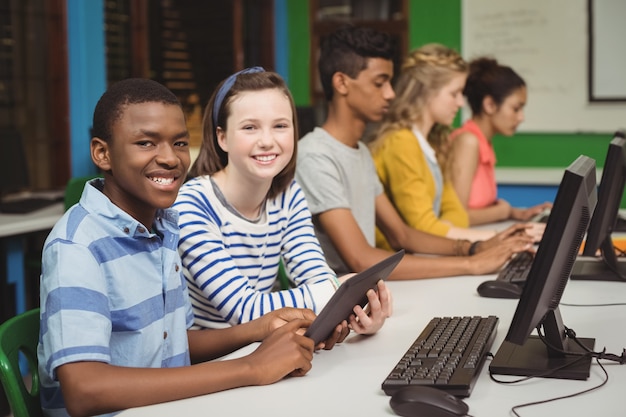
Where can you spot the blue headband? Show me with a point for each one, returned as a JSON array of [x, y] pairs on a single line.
[[225, 88]]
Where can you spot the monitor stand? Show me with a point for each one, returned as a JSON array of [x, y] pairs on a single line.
[[592, 268], [606, 266], [535, 359], [532, 359]]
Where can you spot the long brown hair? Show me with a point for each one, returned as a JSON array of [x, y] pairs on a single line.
[[211, 157]]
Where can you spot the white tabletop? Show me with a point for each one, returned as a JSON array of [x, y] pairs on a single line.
[[16, 224], [346, 380]]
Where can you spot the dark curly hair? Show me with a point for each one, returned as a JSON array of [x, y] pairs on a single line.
[[130, 91], [347, 50]]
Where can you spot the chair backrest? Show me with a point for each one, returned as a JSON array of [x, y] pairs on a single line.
[[19, 335], [283, 276], [74, 189]]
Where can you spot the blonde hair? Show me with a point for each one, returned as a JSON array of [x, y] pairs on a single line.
[[423, 73]]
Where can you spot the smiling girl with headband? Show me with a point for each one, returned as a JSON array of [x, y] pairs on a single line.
[[243, 211]]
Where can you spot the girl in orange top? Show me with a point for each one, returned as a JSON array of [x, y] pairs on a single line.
[[496, 95]]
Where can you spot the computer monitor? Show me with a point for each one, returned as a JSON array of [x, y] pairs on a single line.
[[599, 235], [538, 307]]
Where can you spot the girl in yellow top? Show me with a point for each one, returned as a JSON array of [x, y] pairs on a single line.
[[409, 149]]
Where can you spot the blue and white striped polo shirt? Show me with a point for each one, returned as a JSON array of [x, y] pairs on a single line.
[[111, 291]]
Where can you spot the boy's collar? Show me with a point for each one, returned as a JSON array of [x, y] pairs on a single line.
[[95, 201], [350, 134]]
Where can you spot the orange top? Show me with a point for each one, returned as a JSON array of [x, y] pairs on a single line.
[[484, 191]]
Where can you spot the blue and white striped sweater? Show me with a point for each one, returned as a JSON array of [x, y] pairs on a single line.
[[231, 264]]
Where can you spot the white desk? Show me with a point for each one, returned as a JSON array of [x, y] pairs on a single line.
[[18, 224], [12, 229], [346, 380]]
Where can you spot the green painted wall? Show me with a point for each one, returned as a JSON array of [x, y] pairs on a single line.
[[299, 41], [440, 21], [435, 21]]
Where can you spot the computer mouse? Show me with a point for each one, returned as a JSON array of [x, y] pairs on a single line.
[[417, 401], [499, 289]]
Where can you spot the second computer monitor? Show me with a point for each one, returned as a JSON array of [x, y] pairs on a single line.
[[599, 241]]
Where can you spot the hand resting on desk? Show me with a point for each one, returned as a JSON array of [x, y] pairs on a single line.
[[525, 214]]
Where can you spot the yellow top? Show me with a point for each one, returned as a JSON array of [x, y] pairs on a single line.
[[408, 182]]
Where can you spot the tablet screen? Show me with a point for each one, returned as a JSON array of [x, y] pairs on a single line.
[[352, 292]]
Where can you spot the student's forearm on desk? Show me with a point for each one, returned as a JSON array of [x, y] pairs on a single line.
[[491, 214], [470, 234], [209, 344], [418, 267], [94, 387], [416, 241], [105, 388], [91, 388]]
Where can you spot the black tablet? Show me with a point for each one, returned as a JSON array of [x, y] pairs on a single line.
[[352, 292]]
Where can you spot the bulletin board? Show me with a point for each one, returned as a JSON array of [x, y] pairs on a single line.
[[547, 43]]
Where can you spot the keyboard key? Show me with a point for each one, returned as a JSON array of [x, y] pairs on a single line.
[[516, 270]]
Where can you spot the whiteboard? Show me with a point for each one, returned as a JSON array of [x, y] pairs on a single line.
[[608, 46], [546, 42]]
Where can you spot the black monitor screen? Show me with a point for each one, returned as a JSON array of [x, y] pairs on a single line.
[[604, 220], [522, 353]]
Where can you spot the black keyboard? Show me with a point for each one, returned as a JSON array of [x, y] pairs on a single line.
[[516, 270], [26, 205], [448, 354]]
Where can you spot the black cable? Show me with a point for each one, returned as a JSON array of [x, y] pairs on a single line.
[[578, 358], [575, 394], [588, 352], [571, 334]]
